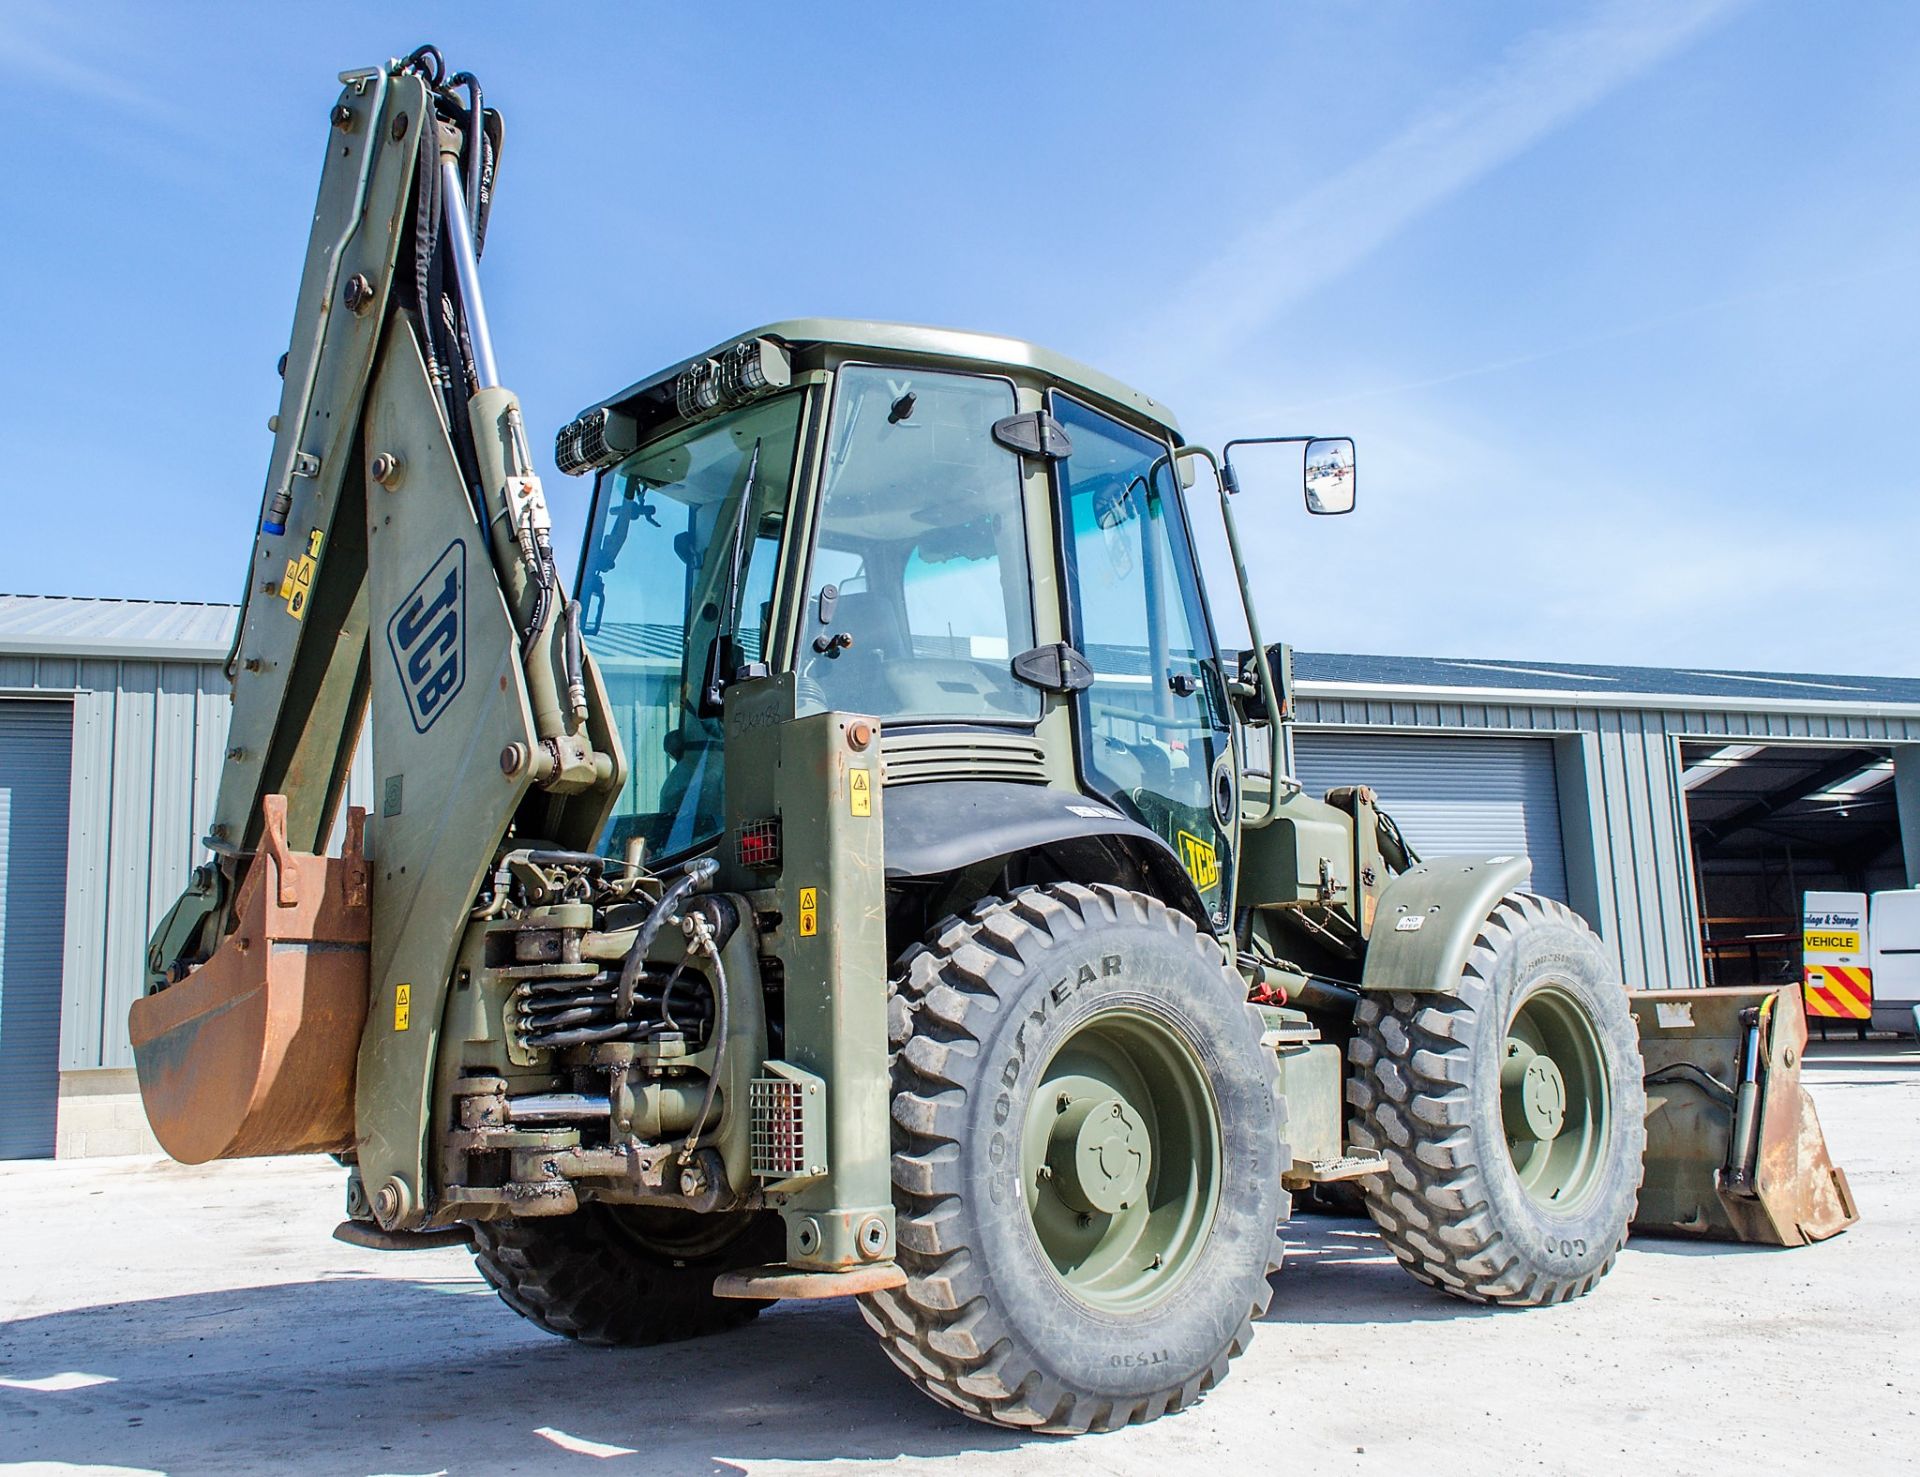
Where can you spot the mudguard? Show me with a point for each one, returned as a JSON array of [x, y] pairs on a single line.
[[1428, 918], [943, 826]]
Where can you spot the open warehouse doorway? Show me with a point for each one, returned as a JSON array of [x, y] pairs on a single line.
[[1771, 822]]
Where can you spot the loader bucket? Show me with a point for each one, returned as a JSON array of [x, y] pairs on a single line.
[[253, 1052], [1734, 1148]]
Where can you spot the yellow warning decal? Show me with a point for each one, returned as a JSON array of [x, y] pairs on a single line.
[[1200, 859], [402, 1006], [809, 912], [860, 791], [297, 584]]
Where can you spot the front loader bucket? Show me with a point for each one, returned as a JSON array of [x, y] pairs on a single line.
[[1734, 1148], [254, 1051]]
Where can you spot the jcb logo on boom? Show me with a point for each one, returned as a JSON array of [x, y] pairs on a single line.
[[427, 636]]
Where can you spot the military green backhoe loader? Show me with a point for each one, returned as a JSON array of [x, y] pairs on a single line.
[[871, 880]]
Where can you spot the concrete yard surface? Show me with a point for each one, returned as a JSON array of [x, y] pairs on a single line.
[[158, 1318]]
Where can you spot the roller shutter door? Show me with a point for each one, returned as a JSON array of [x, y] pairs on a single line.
[[1451, 795], [36, 741]]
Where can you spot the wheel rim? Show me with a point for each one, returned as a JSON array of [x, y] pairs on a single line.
[[1120, 1161], [1554, 1099]]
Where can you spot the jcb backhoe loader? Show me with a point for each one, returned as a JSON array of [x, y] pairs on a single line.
[[861, 884]]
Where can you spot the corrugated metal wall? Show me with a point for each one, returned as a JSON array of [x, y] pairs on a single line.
[[1622, 819], [33, 870], [149, 738]]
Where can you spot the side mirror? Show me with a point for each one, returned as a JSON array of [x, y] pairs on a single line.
[[1329, 475], [1327, 468]]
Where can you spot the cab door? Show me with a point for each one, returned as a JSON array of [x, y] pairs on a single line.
[[1152, 726]]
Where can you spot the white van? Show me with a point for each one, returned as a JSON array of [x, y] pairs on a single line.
[[1893, 936]]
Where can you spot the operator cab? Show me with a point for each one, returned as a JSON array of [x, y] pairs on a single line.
[[977, 542]]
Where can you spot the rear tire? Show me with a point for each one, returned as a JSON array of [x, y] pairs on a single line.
[[1511, 1114], [625, 1275], [1087, 1158]]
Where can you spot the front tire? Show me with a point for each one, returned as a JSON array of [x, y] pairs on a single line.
[[1087, 1160], [1511, 1113]]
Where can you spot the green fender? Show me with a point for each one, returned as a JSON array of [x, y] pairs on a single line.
[[1428, 917]]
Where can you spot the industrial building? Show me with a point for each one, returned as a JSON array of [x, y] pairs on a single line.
[[1682, 812]]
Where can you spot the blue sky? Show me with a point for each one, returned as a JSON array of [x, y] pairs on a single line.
[[1620, 300]]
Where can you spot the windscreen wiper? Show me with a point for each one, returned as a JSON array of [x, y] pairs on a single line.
[[714, 684]]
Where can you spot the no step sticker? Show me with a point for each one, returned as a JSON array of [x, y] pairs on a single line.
[[809, 912]]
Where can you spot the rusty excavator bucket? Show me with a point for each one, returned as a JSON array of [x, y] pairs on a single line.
[[1734, 1148], [254, 1051]]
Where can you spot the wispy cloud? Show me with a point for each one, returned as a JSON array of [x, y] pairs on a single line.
[[32, 47], [1542, 81], [1778, 292]]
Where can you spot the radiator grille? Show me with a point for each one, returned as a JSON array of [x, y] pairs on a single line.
[[921, 758]]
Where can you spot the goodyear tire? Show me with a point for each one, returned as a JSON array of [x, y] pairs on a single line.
[[1511, 1114], [1086, 1167], [625, 1275]]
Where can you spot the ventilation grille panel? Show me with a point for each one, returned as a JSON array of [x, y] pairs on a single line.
[[922, 758]]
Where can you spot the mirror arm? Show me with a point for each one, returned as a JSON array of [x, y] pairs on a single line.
[[1270, 691]]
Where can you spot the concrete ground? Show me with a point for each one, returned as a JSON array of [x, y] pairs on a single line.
[[202, 1320]]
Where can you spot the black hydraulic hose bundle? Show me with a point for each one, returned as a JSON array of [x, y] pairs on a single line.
[[443, 318], [556, 1014], [635, 1003], [696, 874]]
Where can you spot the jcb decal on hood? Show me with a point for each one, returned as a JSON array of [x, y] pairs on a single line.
[[428, 638]]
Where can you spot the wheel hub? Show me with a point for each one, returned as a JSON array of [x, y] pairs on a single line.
[[1554, 1098], [1536, 1094], [1120, 1160], [1100, 1153]]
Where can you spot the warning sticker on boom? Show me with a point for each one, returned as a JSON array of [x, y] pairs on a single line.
[[860, 792], [809, 912], [297, 584]]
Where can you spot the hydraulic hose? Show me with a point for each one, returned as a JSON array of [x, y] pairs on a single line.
[[704, 942], [576, 663], [696, 875]]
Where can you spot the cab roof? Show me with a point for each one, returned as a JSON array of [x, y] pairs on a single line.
[[986, 349]]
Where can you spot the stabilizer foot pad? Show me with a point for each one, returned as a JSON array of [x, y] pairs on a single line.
[[1322, 1171], [370, 1236], [789, 1282]]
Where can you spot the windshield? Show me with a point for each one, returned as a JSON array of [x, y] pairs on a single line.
[[920, 593], [654, 585]]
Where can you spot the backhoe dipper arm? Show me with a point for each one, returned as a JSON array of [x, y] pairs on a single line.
[[402, 571]]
